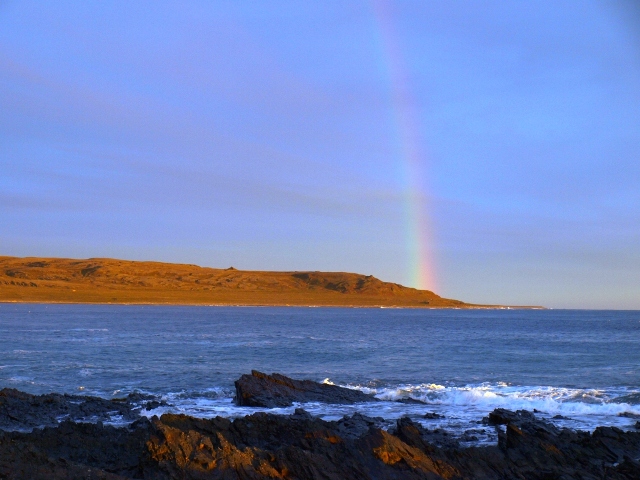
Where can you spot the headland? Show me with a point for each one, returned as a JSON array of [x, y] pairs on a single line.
[[105, 280]]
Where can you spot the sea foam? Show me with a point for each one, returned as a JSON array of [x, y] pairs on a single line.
[[458, 409]]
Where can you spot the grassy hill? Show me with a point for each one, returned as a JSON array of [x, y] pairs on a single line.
[[104, 280]]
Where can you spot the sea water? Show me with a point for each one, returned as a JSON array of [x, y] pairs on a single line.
[[581, 367]]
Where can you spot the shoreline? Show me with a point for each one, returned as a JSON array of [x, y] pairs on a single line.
[[297, 445], [284, 305]]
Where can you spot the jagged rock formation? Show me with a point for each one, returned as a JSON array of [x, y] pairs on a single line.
[[275, 390], [298, 446], [22, 411]]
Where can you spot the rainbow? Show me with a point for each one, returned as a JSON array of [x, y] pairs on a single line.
[[410, 153]]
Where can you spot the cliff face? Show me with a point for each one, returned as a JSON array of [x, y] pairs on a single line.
[[104, 280]]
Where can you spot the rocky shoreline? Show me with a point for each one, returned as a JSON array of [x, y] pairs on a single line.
[[67, 436]]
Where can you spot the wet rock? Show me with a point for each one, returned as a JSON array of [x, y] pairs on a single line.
[[357, 425], [302, 414], [153, 404], [502, 416], [275, 390], [433, 416], [136, 397], [301, 446], [22, 411], [629, 415], [442, 438], [468, 437], [428, 439], [411, 401]]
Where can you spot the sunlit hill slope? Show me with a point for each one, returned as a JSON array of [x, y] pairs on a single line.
[[103, 280]]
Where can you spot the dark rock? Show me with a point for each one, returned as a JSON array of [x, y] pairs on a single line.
[[301, 446], [262, 390], [409, 432], [433, 416], [75, 450], [468, 437], [441, 438], [153, 404], [136, 397], [519, 420], [501, 416], [412, 434], [302, 414], [411, 401], [357, 425], [629, 415], [22, 411]]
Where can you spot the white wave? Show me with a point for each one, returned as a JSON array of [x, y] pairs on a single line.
[[458, 408], [554, 400]]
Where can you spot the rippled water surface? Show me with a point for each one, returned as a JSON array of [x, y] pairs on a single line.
[[583, 365]]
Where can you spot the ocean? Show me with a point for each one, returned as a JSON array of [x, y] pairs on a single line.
[[575, 368]]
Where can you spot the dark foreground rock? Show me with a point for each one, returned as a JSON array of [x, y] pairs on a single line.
[[23, 411], [275, 390], [301, 446]]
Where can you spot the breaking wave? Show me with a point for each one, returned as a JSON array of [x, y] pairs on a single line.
[[458, 409]]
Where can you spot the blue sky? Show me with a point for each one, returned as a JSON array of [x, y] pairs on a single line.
[[266, 135]]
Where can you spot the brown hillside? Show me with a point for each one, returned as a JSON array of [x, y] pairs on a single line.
[[103, 280]]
